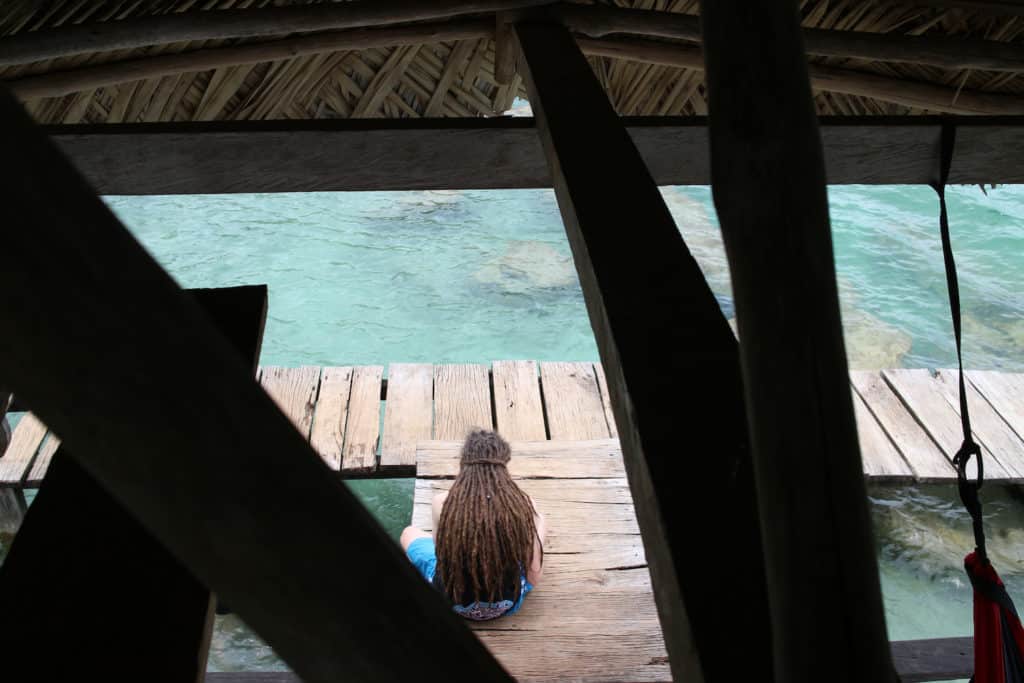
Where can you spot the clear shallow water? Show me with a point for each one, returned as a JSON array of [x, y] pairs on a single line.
[[479, 276]]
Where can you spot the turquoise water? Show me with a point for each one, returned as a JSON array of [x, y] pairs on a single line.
[[480, 276]]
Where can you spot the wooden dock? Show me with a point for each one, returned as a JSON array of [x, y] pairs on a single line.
[[596, 595], [364, 425]]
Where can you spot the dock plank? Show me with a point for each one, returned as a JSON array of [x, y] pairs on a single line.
[[519, 412], [922, 394], [462, 400], [362, 431], [880, 458], [593, 547], [927, 462], [1005, 392], [42, 461], [989, 428], [572, 401], [408, 414], [294, 391], [327, 435], [561, 460], [16, 460], [609, 416]]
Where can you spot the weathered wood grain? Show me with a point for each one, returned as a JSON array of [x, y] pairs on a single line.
[[408, 414], [327, 434], [294, 391], [15, 463], [880, 458], [593, 548], [1005, 392], [462, 400], [363, 430], [352, 155], [572, 401], [531, 459], [606, 400], [42, 461], [927, 462], [519, 413], [922, 395], [935, 659], [990, 429]]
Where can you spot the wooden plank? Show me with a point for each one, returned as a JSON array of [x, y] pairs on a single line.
[[988, 427], [247, 475], [927, 462], [572, 402], [593, 546], [531, 459], [924, 398], [80, 561], [880, 458], [408, 414], [519, 413], [1005, 392], [462, 400], [768, 181], [658, 328], [42, 461], [294, 391], [328, 431], [606, 400], [353, 155], [935, 659], [363, 430], [15, 463]]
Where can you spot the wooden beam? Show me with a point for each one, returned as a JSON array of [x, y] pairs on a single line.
[[915, 94], [129, 34], [506, 50], [938, 659], [955, 53], [670, 359], [58, 83], [81, 563], [343, 155], [125, 363], [768, 183]]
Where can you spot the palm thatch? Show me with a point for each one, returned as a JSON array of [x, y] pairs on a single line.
[[446, 67]]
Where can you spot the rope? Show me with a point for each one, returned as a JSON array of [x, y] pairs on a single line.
[[968, 489]]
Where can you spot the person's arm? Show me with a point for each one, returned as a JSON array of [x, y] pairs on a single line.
[[436, 506], [533, 574]]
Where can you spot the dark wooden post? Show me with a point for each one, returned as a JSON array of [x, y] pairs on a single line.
[[156, 406], [768, 178], [673, 373], [82, 556]]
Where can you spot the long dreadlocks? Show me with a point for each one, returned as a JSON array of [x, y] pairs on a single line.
[[486, 531]]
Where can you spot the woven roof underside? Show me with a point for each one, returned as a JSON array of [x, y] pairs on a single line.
[[403, 81]]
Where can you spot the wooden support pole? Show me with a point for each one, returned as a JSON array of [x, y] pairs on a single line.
[[57, 83], [155, 405], [505, 50], [954, 53], [228, 24], [673, 373], [915, 94], [768, 180], [81, 565]]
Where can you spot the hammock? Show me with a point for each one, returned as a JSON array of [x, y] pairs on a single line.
[[998, 636]]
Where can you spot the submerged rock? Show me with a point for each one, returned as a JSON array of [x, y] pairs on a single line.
[[527, 266]]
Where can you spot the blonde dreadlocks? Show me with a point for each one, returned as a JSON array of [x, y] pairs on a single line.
[[486, 531]]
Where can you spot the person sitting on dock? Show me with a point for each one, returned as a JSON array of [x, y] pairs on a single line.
[[485, 516]]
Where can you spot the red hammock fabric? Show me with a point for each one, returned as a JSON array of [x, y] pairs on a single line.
[[998, 635]]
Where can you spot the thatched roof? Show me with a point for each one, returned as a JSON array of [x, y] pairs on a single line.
[[108, 61]]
